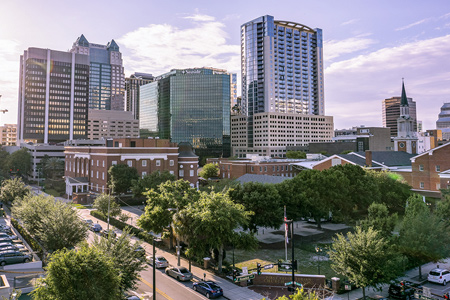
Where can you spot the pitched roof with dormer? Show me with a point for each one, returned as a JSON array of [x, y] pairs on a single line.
[[430, 152]]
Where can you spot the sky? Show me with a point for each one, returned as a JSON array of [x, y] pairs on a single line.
[[369, 46]]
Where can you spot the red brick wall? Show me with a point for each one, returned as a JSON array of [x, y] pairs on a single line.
[[327, 164], [429, 176], [277, 279]]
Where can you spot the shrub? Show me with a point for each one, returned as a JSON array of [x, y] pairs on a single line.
[[29, 239]]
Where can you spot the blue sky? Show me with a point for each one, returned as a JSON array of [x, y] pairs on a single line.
[[369, 46]]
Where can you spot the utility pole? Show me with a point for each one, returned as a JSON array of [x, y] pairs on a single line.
[[293, 268]]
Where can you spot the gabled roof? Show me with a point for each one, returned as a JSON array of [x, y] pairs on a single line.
[[261, 178], [390, 158], [359, 160], [112, 46], [82, 41], [430, 152]]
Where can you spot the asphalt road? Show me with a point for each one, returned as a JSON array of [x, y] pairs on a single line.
[[167, 288], [437, 289]]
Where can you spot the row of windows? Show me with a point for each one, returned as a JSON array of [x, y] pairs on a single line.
[[437, 168]]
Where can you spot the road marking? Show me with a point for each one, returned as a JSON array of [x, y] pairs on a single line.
[[158, 290]]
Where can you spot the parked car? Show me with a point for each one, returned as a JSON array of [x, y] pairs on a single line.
[[96, 227], [140, 252], [404, 290], [20, 246], [5, 228], [209, 288], [441, 276], [180, 273], [11, 236], [160, 261], [13, 257], [88, 221], [105, 233], [6, 240]]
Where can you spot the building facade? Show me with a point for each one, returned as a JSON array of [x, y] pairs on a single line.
[[111, 124], [86, 167], [391, 112], [406, 138], [190, 105], [8, 134], [273, 132], [53, 96], [106, 75], [443, 122], [132, 90]]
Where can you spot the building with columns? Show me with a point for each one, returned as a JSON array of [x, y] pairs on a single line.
[[86, 167]]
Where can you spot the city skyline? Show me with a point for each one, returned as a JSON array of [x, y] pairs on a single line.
[[368, 47]]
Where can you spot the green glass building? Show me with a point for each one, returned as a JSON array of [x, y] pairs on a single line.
[[190, 105]]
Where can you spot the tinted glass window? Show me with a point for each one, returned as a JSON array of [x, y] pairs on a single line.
[[432, 273]]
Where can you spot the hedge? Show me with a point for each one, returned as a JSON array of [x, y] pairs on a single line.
[[29, 239], [139, 233]]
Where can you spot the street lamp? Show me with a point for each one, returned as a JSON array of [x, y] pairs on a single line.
[[292, 261], [178, 241], [319, 257], [154, 239]]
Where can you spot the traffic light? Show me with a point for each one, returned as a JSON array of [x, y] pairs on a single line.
[[235, 274], [258, 268]]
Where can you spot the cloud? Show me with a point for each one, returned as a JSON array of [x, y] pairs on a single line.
[[412, 25], [361, 83], [158, 48], [352, 21], [9, 62], [201, 18], [333, 48]]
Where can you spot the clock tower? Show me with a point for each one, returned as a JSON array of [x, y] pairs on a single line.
[[406, 139]]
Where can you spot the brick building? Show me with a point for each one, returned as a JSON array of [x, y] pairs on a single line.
[[431, 171], [254, 164], [86, 167]]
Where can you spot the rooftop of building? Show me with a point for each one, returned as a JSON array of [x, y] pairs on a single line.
[[261, 178]]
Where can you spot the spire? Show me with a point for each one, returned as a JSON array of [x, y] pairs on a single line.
[[404, 101], [112, 46]]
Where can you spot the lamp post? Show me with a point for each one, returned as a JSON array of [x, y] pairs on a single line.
[[178, 241], [319, 257], [292, 260], [154, 239]]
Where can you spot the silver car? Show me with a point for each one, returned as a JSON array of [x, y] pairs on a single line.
[[160, 261], [13, 257], [180, 273], [5, 235]]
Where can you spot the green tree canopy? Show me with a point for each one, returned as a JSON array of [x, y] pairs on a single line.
[[122, 252], [423, 236], [31, 209], [105, 202], [295, 154], [12, 189], [262, 199], [301, 295], [211, 221], [380, 220], [150, 181], [364, 257], [121, 178], [209, 171], [78, 275], [20, 162]]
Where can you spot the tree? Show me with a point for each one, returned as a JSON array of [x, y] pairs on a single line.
[[83, 274], [295, 154], [4, 171], [380, 220], [54, 223], [262, 199], [364, 257], [150, 181], [209, 171], [105, 202], [123, 255], [176, 195], [423, 236], [12, 189], [221, 185], [121, 177], [211, 221], [20, 162], [301, 295]]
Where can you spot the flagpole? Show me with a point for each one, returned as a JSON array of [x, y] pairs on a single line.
[[285, 233]]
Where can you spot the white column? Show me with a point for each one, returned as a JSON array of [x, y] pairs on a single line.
[[72, 96], [47, 96]]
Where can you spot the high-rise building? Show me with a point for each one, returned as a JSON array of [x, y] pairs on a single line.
[[282, 67], [132, 85], [391, 112], [106, 77], [8, 134], [103, 124], [189, 105], [443, 122], [53, 96]]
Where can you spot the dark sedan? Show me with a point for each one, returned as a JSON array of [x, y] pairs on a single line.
[[209, 288]]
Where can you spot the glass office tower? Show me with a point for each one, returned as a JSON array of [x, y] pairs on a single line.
[[106, 78], [193, 105]]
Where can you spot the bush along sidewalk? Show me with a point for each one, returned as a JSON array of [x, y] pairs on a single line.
[[35, 246]]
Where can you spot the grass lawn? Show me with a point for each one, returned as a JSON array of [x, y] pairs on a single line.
[[306, 256], [79, 206], [52, 192]]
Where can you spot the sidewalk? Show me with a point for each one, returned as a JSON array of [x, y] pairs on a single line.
[[231, 290]]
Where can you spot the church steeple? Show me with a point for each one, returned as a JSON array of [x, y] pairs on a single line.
[[404, 100]]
